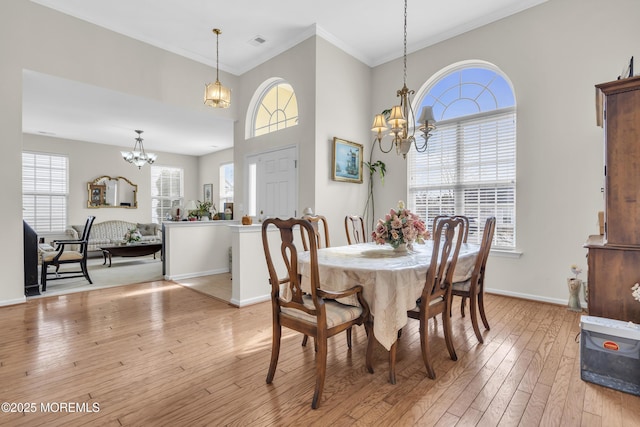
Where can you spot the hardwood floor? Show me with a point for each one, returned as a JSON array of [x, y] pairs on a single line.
[[162, 354]]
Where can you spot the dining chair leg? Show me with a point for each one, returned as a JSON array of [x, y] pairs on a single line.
[[424, 346], [321, 369], [349, 337], [448, 336], [392, 362], [481, 308], [462, 304], [473, 309], [304, 340], [275, 352]]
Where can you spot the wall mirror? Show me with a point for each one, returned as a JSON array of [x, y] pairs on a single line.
[[108, 192]]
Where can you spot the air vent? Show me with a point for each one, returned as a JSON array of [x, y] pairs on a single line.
[[257, 41]]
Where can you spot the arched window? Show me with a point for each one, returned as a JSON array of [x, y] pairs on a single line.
[[275, 107], [469, 167]]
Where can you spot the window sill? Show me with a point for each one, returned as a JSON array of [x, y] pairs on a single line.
[[506, 253]]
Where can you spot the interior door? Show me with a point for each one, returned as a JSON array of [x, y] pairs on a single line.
[[276, 183]]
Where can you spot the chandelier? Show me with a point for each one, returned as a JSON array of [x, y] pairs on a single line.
[[398, 116], [216, 95], [138, 156]]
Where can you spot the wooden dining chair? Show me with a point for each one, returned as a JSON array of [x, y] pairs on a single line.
[[320, 231], [354, 228], [436, 294], [61, 256], [316, 313], [473, 288]]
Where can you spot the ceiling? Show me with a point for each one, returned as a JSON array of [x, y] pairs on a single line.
[[369, 30]]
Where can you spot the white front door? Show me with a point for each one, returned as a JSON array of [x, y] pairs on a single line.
[[275, 181]]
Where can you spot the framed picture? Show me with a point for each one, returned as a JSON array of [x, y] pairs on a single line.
[[96, 194], [228, 215], [347, 161], [208, 193]]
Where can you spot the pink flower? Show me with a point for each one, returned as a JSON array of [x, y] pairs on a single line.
[[400, 226], [396, 222]]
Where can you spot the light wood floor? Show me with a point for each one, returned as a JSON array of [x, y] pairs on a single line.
[[162, 354]]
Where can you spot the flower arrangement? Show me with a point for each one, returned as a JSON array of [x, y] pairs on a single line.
[[399, 227], [132, 235], [635, 291], [576, 270]]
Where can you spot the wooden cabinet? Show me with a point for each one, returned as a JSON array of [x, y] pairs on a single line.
[[614, 259], [621, 104], [612, 272]]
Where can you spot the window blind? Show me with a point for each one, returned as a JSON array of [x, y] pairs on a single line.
[[167, 191], [469, 169], [45, 189]]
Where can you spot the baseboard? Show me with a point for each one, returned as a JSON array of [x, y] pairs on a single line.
[[197, 274], [13, 301], [530, 297], [250, 301]]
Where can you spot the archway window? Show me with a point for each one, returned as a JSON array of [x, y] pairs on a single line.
[[277, 108], [469, 167]]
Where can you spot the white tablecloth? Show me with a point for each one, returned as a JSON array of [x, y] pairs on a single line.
[[391, 281]]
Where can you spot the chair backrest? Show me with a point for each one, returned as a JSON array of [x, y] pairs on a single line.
[[354, 227], [447, 239], [317, 222], [287, 255], [485, 247], [87, 228], [84, 239], [465, 223], [436, 219]]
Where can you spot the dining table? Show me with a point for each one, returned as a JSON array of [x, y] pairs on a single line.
[[392, 281]]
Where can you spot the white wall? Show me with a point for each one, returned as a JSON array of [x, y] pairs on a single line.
[[554, 54], [12, 28], [343, 97]]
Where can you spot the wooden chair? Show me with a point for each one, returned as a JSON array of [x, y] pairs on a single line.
[[61, 256], [317, 313], [474, 287], [317, 222], [354, 227], [436, 294]]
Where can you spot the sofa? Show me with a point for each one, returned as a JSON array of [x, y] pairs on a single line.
[[112, 232]]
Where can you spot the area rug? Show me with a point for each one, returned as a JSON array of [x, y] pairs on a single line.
[[123, 271]]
